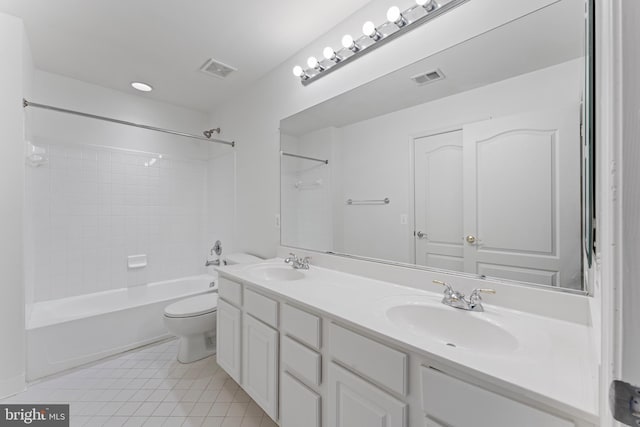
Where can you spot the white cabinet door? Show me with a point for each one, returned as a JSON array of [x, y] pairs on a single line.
[[300, 405], [355, 402], [438, 201], [228, 332], [260, 364], [522, 197]]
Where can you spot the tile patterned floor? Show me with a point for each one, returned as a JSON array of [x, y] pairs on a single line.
[[148, 387]]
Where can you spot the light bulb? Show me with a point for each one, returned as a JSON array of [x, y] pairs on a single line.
[[312, 62], [329, 53], [394, 15], [370, 30], [347, 41], [298, 71]]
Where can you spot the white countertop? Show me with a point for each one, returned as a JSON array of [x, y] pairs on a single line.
[[553, 362]]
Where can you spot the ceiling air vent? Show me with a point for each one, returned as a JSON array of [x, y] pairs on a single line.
[[216, 68], [429, 77]]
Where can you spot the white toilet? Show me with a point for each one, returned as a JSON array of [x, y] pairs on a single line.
[[194, 319]]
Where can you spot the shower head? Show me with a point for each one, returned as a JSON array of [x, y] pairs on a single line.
[[210, 132]]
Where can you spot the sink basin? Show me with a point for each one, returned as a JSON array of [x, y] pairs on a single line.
[[453, 327], [275, 273]]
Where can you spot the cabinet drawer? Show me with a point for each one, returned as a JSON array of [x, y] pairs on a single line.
[[230, 291], [456, 403], [301, 325], [300, 406], [301, 361], [261, 307], [370, 358]]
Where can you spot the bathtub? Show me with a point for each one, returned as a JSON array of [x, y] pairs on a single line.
[[68, 332]]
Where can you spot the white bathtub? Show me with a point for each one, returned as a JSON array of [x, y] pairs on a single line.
[[69, 332]]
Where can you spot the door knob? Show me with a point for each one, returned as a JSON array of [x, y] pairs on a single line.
[[421, 235], [470, 239]]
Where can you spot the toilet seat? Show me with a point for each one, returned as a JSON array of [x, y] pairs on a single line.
[[194, 306]]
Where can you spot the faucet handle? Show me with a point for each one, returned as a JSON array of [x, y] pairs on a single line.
[[475, 294], [483, 290], [449, 289]]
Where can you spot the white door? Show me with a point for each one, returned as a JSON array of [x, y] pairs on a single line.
[[522, 198], [260, 364], [438, 201], [228, 331], [355, 402]]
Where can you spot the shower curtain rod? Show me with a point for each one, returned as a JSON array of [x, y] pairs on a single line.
[[26, 104], [326, 162]]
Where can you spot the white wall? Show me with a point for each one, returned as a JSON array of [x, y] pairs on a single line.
[[101, 197], [15, 75], [376, 152], [252, 118]]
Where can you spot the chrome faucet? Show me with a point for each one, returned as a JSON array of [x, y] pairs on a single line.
[[216, 249], [297, 263], [457, 299]]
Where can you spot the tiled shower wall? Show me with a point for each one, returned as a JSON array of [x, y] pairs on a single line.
[[90, 208]]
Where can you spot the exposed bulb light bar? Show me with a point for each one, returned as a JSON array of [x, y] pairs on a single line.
[[369, 29], [373, 37]]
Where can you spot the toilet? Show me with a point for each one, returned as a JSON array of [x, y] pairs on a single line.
[[193, 319]]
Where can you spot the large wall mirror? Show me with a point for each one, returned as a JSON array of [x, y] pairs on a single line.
[[470, 160]]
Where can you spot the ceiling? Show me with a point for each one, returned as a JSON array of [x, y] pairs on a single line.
[[164, 42], [515, 48]]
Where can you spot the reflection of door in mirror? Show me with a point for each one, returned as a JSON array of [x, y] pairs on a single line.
[[500, 199], [438, 201]]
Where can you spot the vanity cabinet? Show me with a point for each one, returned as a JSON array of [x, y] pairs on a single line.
[[306, 369]]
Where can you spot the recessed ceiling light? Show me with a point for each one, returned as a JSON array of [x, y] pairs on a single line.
[[143, 87]]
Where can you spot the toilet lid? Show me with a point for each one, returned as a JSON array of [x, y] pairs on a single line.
[[194, 306]]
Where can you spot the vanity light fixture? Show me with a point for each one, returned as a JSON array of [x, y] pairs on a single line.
[[373, 37]]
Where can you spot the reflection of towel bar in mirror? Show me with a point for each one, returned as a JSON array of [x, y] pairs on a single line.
[[300, 185], [326, 162], [384, 201]]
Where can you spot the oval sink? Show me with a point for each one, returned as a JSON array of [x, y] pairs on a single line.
[[453, 327], [275, 273]]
